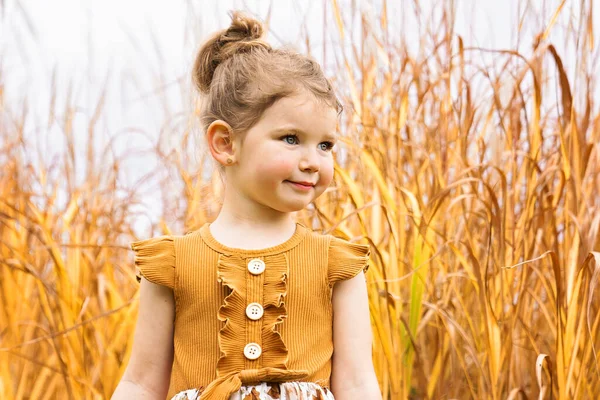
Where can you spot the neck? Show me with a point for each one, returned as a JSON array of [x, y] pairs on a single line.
[[243, 214]]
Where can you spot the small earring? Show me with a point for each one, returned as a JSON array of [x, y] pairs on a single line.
[[229, 161]]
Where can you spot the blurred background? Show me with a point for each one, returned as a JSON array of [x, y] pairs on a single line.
[[470, 162]]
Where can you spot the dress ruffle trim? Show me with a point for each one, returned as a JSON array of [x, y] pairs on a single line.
[[155, 260], [232, 272], [346, 260]]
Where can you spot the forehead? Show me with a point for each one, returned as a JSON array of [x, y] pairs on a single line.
[[301, 111]]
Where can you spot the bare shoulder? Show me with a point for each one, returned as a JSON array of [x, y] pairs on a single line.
[[152, 350]]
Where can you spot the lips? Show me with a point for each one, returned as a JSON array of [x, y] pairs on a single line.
[[303, 183]]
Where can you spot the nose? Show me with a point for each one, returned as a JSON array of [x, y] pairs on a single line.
[[309, 161]]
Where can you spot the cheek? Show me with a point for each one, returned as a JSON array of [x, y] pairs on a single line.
[[275, 167], [326, 173]]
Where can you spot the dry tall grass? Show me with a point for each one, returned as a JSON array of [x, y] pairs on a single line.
[[477, 184]]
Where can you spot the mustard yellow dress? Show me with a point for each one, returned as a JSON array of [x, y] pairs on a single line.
[[251, 324]]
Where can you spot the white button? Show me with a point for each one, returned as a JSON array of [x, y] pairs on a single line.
[[256, 266], [254, 311], [252, 351]]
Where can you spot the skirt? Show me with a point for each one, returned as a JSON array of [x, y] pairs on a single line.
[[270, 391]]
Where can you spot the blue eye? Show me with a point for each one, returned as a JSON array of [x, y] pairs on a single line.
[[328, 146], [294, 139]]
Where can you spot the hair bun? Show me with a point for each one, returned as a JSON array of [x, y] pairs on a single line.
[[244, 34], [243, 27]]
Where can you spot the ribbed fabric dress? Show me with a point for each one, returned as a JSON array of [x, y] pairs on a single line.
[[249, 316]]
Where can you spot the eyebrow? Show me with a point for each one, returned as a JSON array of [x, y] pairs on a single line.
[[328, 136]]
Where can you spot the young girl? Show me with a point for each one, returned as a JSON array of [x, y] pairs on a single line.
[[255, 305]]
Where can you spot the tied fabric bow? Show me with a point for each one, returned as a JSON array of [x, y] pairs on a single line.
[[224, 386]]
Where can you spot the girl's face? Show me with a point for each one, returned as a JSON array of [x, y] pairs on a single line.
[[285, 161]]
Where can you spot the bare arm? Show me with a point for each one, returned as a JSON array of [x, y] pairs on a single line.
[[353, 375], [148, 372]]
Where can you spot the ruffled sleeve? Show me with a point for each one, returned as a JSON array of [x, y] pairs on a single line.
[[155, 260], [346, 259]]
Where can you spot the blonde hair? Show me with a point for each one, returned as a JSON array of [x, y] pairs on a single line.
[[241, 75]]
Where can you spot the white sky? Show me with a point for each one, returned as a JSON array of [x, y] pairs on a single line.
[[138, 49]]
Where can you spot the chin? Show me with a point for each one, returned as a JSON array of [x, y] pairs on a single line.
[[288, 208]]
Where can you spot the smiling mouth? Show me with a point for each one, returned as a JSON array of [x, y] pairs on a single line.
[[301, 185]]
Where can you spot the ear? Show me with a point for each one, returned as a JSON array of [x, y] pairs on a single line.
[[220, 142]]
